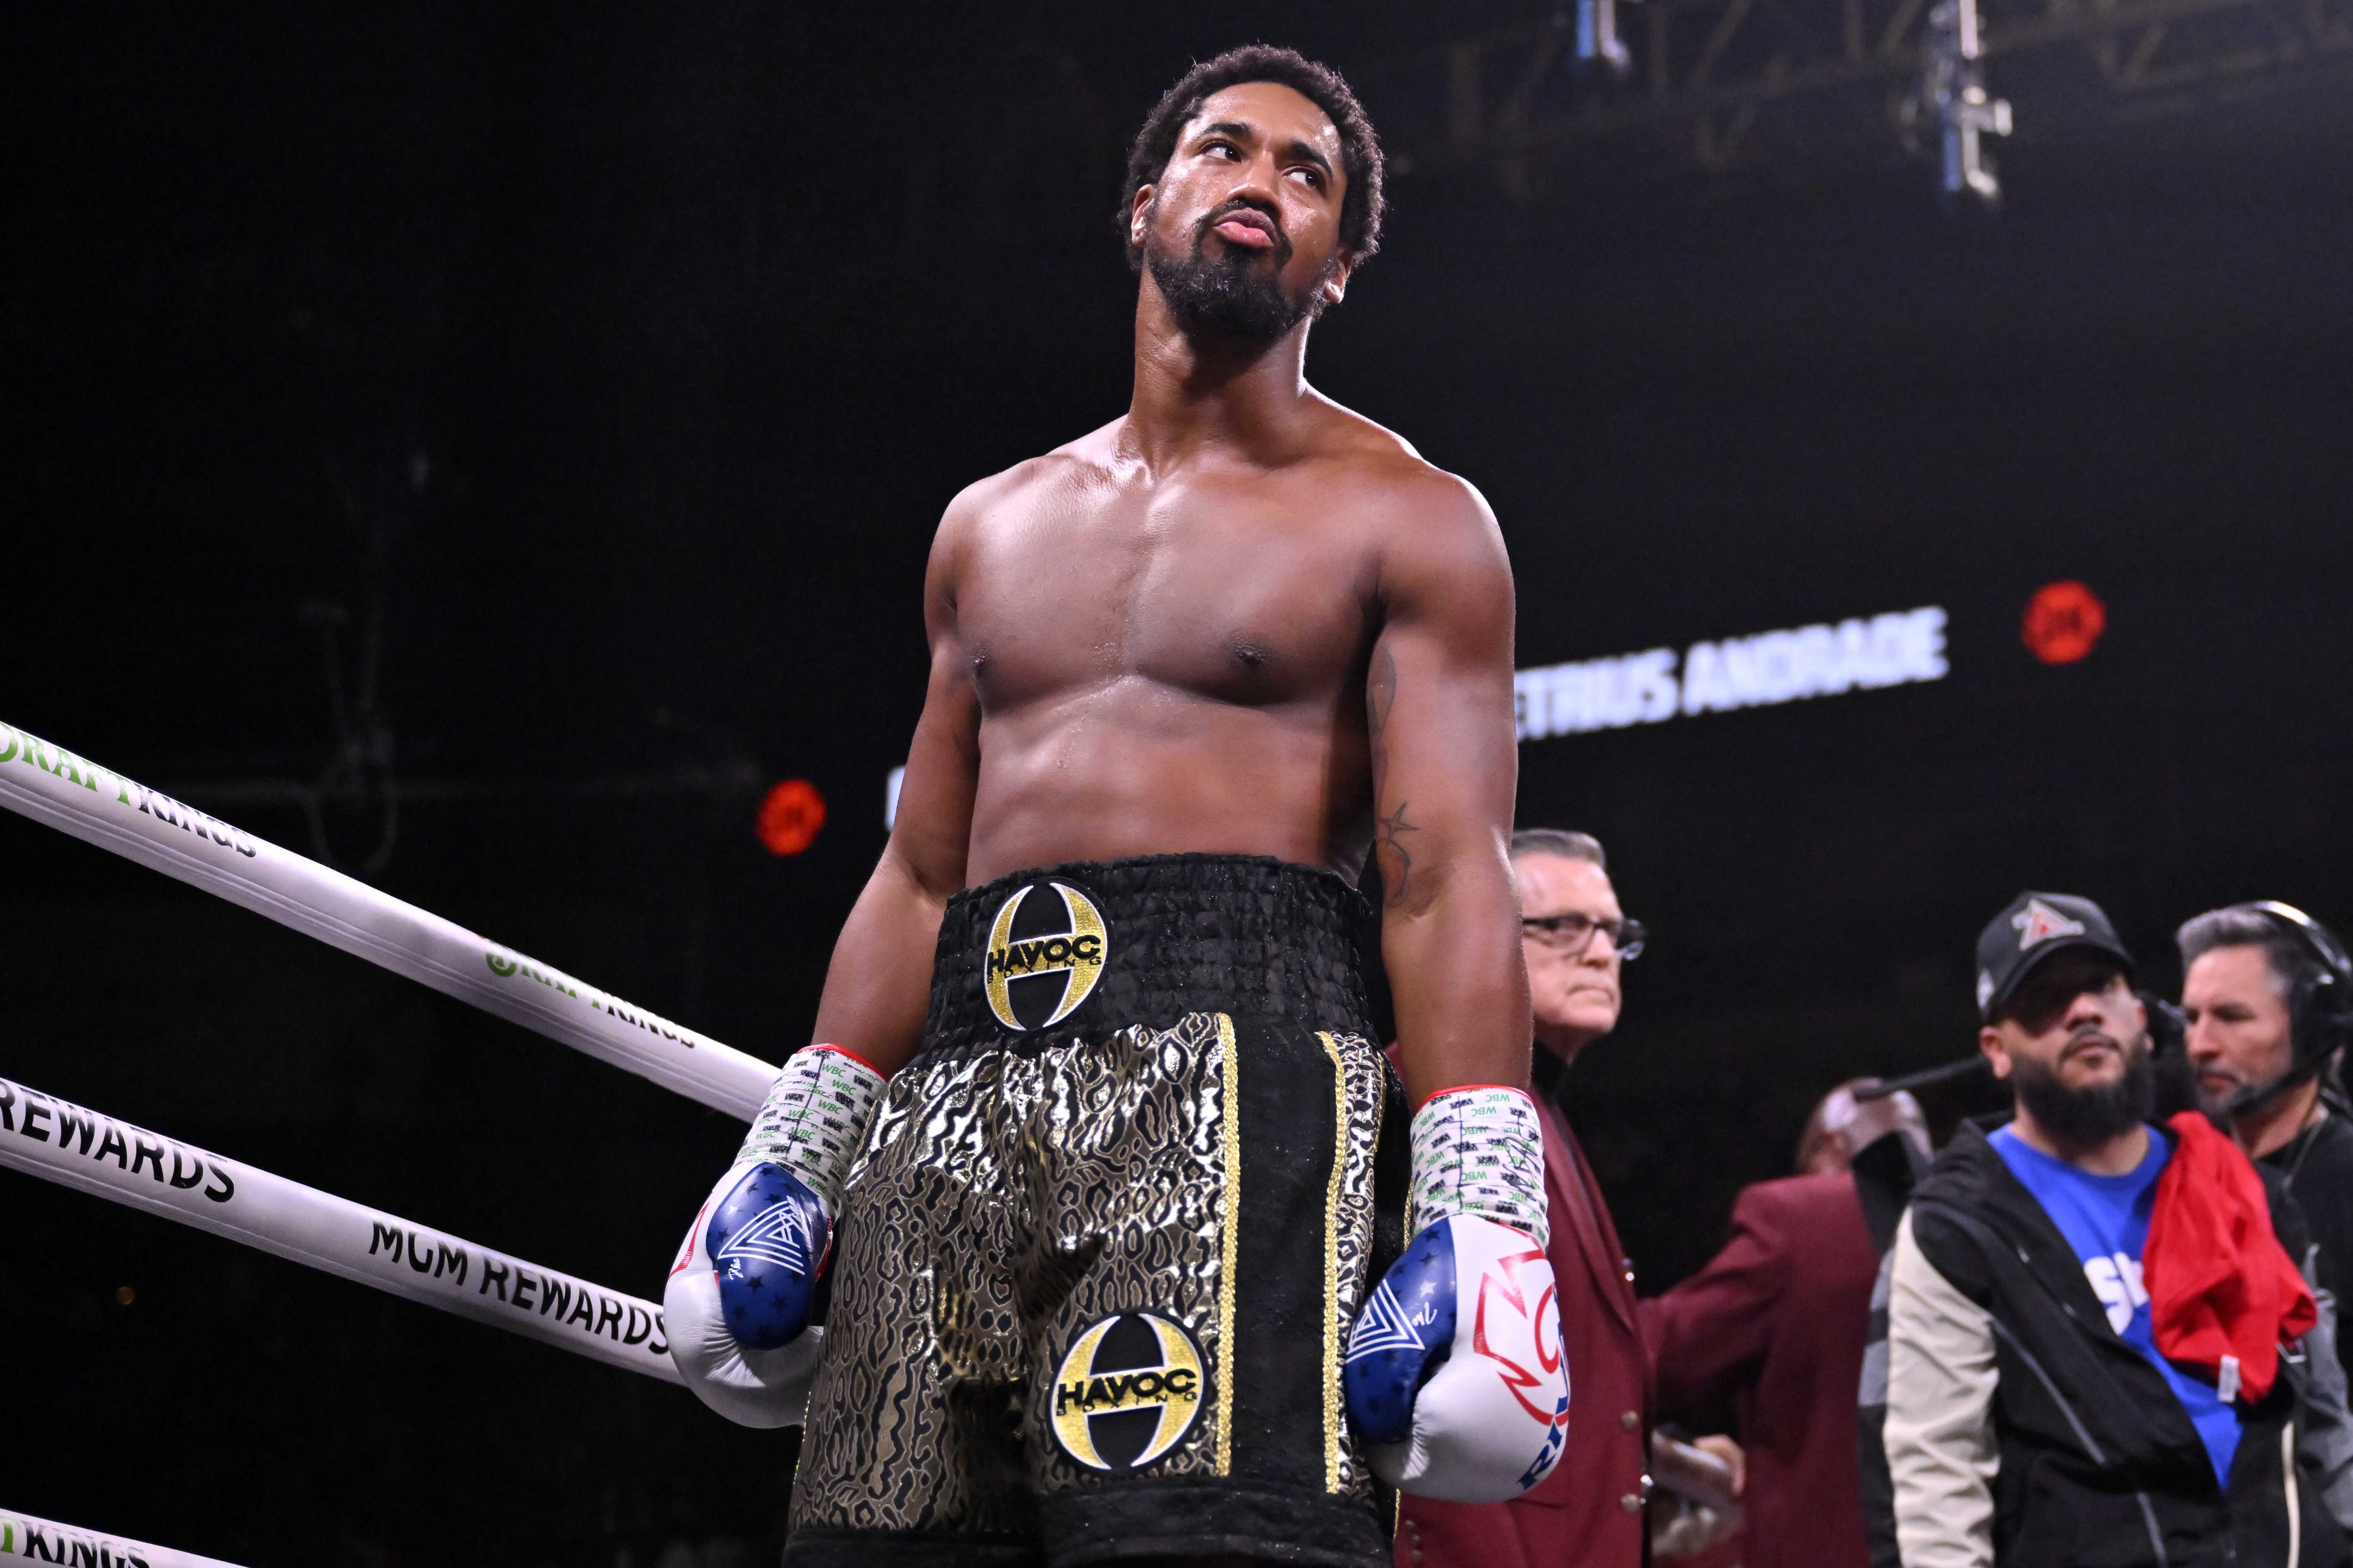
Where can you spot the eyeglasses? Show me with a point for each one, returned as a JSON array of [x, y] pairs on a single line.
[[1571, 934]]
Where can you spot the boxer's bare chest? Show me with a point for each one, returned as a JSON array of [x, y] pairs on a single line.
[[1251, 594]]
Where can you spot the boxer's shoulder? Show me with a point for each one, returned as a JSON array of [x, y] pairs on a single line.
[[1089, 469], [1009, 491], [1372, 481], [1377, 465]]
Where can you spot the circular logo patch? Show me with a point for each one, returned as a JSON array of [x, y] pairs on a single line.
[[1046, 950], [1130, 1388]]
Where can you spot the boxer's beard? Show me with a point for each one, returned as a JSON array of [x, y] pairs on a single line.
[[1228, 296], [2088, 1116]]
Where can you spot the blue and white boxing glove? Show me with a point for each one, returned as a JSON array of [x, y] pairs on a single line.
[[1455, 1377], [738, 1301]]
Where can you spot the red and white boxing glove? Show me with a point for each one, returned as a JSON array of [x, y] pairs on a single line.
[[1455, 1377]]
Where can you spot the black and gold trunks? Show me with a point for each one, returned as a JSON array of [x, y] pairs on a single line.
[[1098, 1260]]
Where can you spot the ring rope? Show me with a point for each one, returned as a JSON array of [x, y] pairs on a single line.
[[26, 1538], [97, 804], [64, 1143]]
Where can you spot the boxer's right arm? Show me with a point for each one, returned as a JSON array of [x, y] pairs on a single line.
[[738, 1296], [881, 978]]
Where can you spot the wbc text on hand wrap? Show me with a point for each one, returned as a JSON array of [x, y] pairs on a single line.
[[1479, 1151]]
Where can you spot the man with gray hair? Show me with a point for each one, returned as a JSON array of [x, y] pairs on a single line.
[[1593, 1510], [1575, 939], [2264, 994]]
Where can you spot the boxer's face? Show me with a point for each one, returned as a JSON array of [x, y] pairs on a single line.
[[2238, 1022], [1241, 231], [1574, 995]]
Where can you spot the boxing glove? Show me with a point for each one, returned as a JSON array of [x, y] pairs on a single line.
[[739, 1296], [1455, 1378], [738, 1302]]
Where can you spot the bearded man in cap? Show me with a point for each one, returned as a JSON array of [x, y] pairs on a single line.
[[2094, 1324]]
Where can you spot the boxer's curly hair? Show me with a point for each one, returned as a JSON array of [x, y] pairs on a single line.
[[1360, 148]]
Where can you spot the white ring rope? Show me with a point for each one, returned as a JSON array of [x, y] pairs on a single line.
[[26, 1538], [99, 805], [62, 1141]]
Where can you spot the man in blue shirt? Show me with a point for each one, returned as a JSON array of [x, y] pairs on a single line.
[[2105, 1219], [2030, 1418]]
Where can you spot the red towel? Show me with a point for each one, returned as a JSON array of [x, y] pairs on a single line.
[[2222, 1292]]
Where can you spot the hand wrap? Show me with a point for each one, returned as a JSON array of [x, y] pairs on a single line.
[[815, 1120], [1479, 1151]]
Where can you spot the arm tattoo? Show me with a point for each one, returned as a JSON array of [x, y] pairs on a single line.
[[1390, 828], [1388, 833]]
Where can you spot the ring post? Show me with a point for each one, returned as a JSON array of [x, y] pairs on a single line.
[[63, 1142], [99, 805]]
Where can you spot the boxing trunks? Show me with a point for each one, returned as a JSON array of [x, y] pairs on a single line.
[[1099, 1254]]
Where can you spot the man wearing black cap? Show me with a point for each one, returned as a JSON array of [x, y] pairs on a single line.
[[2087, 1313]]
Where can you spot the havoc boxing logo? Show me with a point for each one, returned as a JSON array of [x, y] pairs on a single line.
[[1045, 954], [1130, 1388]]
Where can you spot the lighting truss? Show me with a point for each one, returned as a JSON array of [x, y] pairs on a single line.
[[1621, 90]]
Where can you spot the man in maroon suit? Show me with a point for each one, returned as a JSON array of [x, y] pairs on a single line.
[[1592, 1511], [1775, 1325]]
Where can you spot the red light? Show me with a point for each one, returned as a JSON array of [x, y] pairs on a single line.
[[2063, 620], [790, 816]]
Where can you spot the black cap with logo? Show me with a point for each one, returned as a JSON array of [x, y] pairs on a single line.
[[2032, 929]]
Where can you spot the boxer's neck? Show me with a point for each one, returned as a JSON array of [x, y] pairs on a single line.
[[1192, 395]]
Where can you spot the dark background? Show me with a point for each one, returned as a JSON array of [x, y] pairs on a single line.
[[625, 361]]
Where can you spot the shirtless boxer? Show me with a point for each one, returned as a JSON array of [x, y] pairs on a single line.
[[1102, 1140]]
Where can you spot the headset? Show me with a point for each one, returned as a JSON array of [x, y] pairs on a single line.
[[2319, 1005]]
